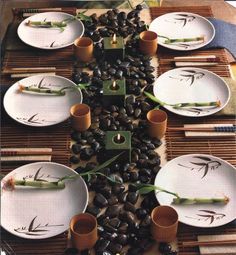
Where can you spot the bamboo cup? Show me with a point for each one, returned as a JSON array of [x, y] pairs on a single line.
[[83, 229], [157, 123], [148, 43], [83, 49], [164, 223], [80, 117]]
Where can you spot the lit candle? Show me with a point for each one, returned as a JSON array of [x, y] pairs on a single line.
[[117, 142], [114, 48], [114, 86], [114, 92], [118, 137], [114, 41]]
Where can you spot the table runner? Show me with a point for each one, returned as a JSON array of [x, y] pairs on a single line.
[[177, 144]]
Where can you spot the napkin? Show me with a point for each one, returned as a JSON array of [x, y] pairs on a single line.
[[224, 37], [230, 108]]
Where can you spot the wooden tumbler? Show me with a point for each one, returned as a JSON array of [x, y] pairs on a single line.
[[157, 123], [164, 223], [80, 117], [84, 233], [148, 43], [83, 48]]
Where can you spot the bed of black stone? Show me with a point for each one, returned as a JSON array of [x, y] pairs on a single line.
[[123, 216]]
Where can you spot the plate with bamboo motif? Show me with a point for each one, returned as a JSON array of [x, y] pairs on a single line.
[[191, 91], [37, 213], [183, 31], [199, 176], [41, 100], [50, 30]]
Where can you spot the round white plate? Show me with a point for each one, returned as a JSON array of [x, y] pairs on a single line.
[[199, 175], [182, 25], [188, 85], [41, 110], [50, 38], [36, 213]]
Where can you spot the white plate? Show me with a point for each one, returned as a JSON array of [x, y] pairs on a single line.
[[41, 110], [190, 84], [35, 213], [182, 25], [50, 38], [199, 175]]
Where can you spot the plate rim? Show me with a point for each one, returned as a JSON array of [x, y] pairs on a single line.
[[51, 163], [48, 48], [39, 126], [202, 70], [191, 155], [195, 48]]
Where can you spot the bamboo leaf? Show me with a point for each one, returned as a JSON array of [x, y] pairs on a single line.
[[145, 190], [153, 98], [205, 171], [83, 17], [198, 164], [212, 219], [208, 211], [203, 158], [37, 173], [105, 164], [203, 215], [31, 224], [88, 177]]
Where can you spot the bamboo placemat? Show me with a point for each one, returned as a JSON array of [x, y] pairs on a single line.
[[176, 142], [18, 54], [55, 137]]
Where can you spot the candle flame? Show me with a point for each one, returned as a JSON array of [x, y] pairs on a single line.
[[114, 84], [118, 137], [114, 39]]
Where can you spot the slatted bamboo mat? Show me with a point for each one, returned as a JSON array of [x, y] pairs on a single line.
[[177, 144], [55, 137], [18, 54]]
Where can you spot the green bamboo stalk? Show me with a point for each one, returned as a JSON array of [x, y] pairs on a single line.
[[191, 201], [197, 104], [47, 24], [177, 40], [178, 200], [40, 184], [55, 92], [182, 105]]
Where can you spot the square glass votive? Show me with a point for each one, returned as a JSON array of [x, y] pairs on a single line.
[[117, 142], [114, 92], [114, 51]]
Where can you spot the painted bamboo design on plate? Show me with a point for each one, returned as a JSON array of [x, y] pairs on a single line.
[[34, 119], [39, 176], [182, 19], [204, 165], [188, 76], [208, 216], [36, 229]]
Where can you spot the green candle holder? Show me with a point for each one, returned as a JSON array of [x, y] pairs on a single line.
[[117, 142], [114, 92], [114, 50]]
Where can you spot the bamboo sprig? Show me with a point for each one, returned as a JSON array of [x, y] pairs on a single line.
[[146, 188], [181, 40], [47, 91], [191, 201], [58, 24], [59, 184], [183, 105]]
